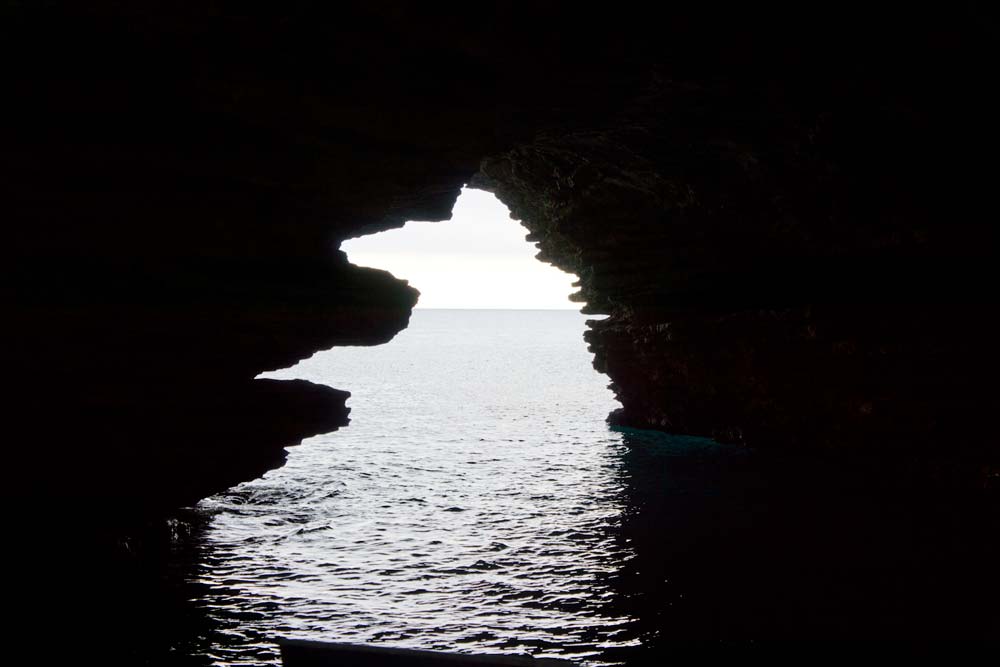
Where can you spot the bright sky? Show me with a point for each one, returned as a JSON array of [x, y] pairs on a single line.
[[478, 259]]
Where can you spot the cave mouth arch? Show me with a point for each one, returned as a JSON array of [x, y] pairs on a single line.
[[478, 259], [477, 475]]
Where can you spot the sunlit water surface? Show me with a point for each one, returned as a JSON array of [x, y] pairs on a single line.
[[471, 504], [479, 502]]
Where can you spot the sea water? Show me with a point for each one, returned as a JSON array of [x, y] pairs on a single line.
[[479, 502], [471, 504]]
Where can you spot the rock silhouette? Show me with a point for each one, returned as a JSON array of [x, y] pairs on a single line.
[[786, 218]]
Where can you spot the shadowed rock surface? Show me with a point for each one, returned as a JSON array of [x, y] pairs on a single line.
[[785, 215]]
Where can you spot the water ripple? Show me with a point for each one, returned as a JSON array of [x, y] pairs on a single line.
[[469, 506]]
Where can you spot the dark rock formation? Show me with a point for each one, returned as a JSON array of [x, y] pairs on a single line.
[[799, 263], [784, 215]]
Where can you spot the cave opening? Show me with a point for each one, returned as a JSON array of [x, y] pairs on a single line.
[[479, 259], [791, 238], [475, 498]]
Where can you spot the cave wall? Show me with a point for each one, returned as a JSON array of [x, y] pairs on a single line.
[[785, 216], [177, 179], [803, 267]]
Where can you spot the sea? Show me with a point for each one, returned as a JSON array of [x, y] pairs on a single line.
[[472, 503], [479, 502]]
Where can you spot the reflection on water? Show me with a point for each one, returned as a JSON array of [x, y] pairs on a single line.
[[478, 502], [472, 503]]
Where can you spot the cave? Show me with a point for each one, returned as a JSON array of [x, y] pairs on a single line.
[[784, 215]]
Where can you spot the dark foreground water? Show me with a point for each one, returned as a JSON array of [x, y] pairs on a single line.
[[479, 502]]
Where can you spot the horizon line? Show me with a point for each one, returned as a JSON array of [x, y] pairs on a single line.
[[569, 310]]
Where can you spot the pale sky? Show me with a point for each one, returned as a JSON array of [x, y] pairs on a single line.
[[478, 259]]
